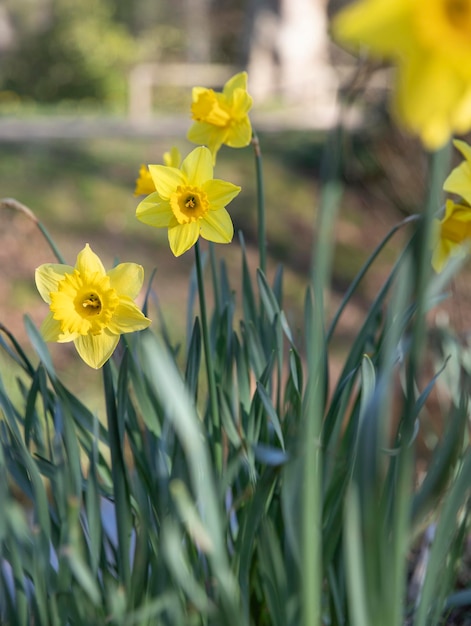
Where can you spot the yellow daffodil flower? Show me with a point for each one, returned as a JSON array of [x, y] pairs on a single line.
[[222, 118], [144, 183], [189, 202], [90, 306], [459, 181], [451, 233], [430, 42]]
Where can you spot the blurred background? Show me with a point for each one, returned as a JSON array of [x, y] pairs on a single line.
[[89, 90], [83, 56]]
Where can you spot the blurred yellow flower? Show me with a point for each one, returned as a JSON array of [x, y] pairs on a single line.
[[222, 118], [189, 202], [459, 181], [430, 42], [173, 158], [144, 183], [451, 233], [90, 306]]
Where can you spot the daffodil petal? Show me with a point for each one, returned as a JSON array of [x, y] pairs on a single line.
[[459, 181], [464, 148], [50, 329], [198, 166], [240, 135], [206, 134], [95, 350], [460, 214], [450, 233], [198, 132], [443, 252], [420, 76], [127, 318], [238, 81], [182, 237], [217, 226], [173, 158], [220, 193], [376, 24], [88, 262], [166, 179], [209, 135], [241, 103], [48, 276], [154, 211], [127, 279], [440, 256]]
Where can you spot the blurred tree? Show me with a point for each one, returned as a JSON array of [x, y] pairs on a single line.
[[198, 49], [68, 51]]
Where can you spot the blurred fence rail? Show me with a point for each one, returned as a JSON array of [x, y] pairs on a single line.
[[144, 77]]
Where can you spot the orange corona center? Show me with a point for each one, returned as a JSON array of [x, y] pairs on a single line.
[[91, 304], [458, 13], [445, 25], [189, 204]]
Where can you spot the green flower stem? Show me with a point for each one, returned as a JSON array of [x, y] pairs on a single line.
[[262, 243], [214, 272], [314, 408], [213, 401], [118, 475], [51, 243], [11, 203], [314, 398]]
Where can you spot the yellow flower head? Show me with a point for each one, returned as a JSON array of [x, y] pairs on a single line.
[[90, 306], [189, 202], [451, 233], [144, 183], [430, 42], [222, 118]]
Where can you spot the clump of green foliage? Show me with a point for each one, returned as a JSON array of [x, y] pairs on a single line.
[[285, 498]]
